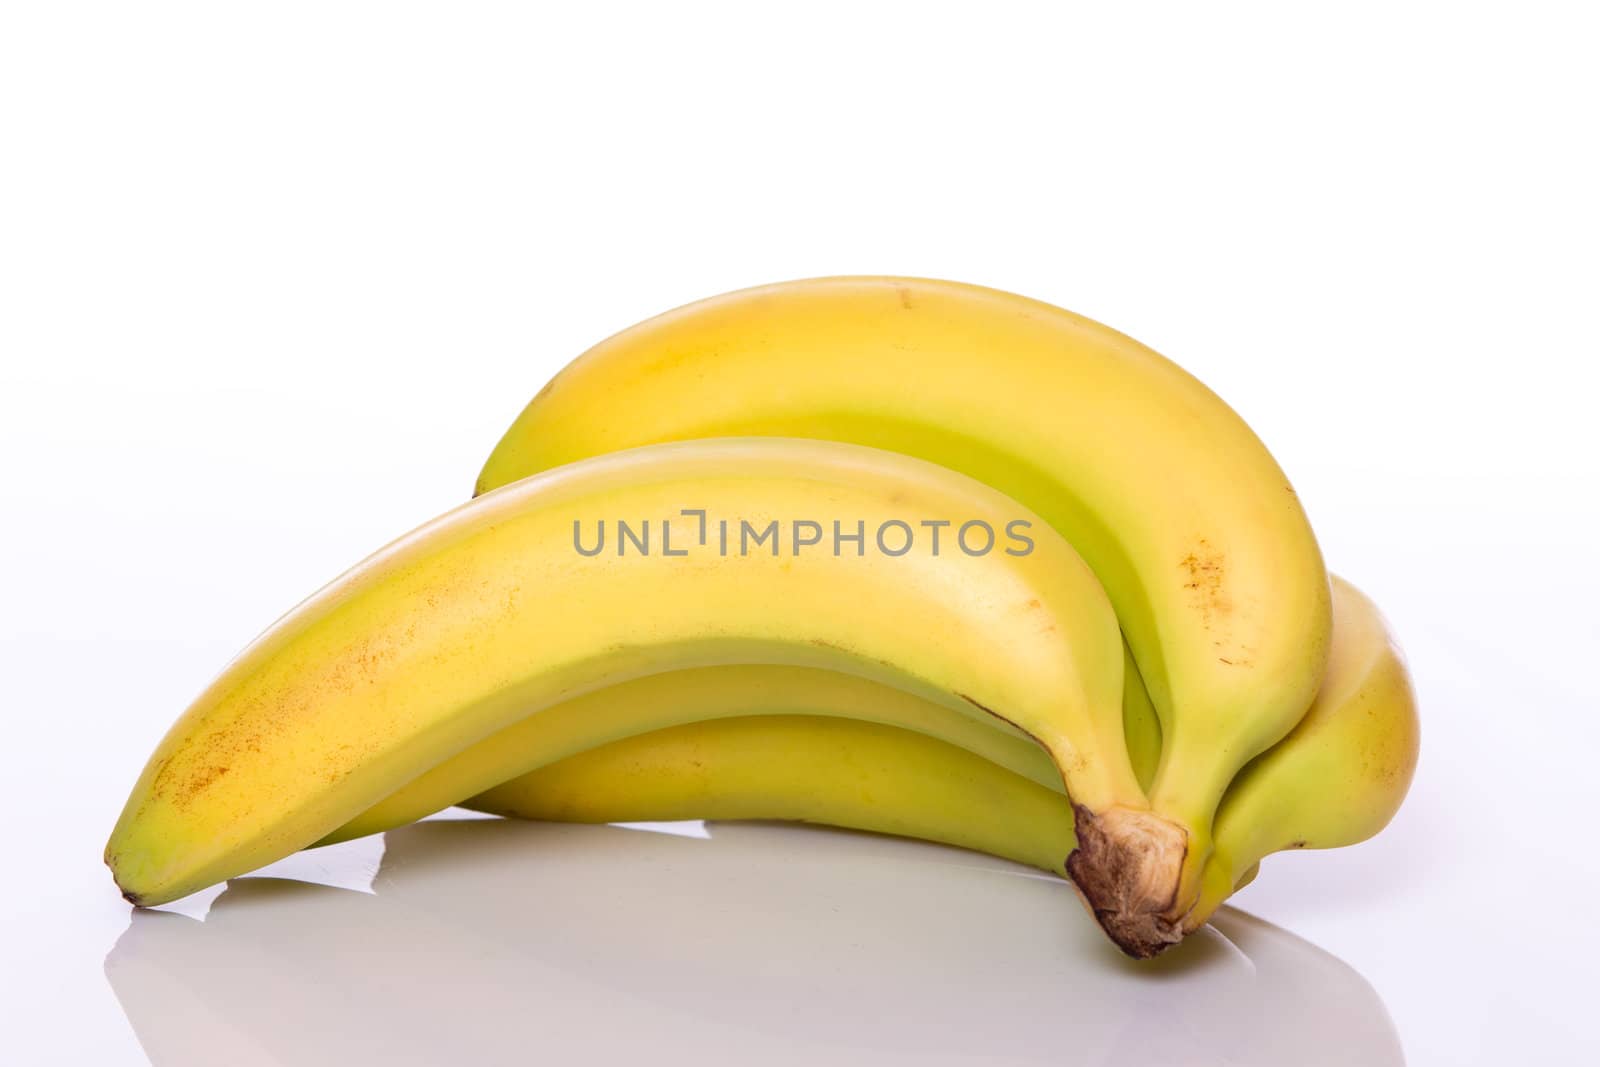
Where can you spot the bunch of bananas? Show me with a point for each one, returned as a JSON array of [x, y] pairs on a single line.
[[900, 555]]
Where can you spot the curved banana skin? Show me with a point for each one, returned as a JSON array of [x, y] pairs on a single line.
[[1180, 510], [803, 768], [832, 771], [740, 690], [1340, 775], [1335, 781], [491, 612], [685, 696]]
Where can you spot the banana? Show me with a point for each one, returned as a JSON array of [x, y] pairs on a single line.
[[1186, 518], [498, 609], [739, 690], [1336, 780], [804, 768], [684, 696], [1340, 775]]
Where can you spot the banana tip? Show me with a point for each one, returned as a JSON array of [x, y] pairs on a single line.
[[1126, 869], [129, 895]]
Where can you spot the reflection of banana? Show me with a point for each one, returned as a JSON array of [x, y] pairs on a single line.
[[469, 624], [1182, 513], [718, 692], [480, 934], [1336, 780]]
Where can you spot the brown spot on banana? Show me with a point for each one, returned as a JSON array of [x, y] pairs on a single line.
[[1205, 576]]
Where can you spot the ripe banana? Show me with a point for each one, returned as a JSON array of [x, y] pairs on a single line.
[[498, 609], [1187, 520], [741, 690], [1336, 780], [1340, 775], [805, 768]]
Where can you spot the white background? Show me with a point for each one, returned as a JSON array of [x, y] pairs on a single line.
[[274, 277]]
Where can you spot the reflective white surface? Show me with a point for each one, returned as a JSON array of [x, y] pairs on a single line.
[[274, 277], [495, 942]]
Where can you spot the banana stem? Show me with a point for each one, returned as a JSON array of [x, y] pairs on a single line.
[[1218, 882], [1127, 870], [1191, 803]]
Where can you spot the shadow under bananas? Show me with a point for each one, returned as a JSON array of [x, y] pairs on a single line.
[[491, 942]]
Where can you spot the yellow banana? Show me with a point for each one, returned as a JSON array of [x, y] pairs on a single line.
[[805, 768], [1340, 775], [1336, 780], [741, 690], [1191, 526], [497, 610]]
